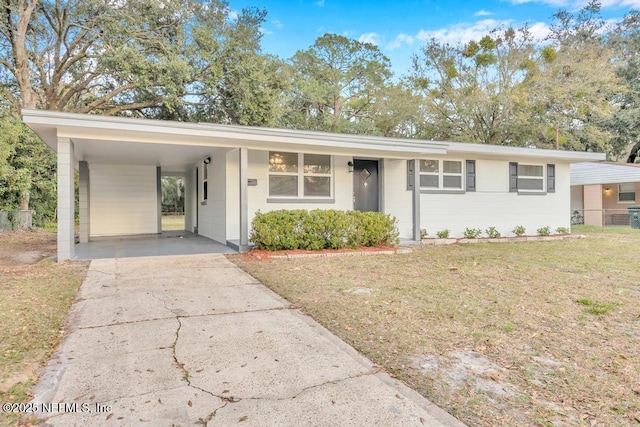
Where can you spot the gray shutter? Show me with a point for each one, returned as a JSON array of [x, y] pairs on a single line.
[[471, 175], [513, 177], [551, 178], [410, 174]]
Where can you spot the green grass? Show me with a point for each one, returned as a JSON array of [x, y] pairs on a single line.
[[512, 304], [582, 229], [594, 307]]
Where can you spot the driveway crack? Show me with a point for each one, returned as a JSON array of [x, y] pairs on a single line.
[[185, 372]]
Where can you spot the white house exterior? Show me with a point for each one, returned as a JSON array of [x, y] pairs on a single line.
[[231, 172]]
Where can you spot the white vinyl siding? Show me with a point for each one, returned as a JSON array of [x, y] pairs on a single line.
[[493, 205], [123, 200]]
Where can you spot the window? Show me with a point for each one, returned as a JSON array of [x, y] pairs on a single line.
[[528, 178], [626, 193], [297, 175], [441, 174], [205, 180]]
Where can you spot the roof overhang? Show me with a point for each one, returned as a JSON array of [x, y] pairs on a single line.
[[177, 145], [591, 173]]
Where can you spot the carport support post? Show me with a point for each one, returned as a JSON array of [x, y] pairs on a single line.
[[66, 240], [244, 199], [416, 200], [83, 193]]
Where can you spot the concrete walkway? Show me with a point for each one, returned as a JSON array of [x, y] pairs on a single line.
[[193, 340]]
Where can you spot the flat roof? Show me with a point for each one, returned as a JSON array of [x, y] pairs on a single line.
[[97, 136]]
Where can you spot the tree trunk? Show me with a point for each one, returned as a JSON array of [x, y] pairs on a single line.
[[635, 151], [21, 58]]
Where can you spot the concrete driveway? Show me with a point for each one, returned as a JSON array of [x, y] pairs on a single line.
[[193, 340]]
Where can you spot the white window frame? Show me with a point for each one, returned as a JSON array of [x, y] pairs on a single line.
[[301, 174], [627, 192], [542, 178], [204, 195], [441, 174]]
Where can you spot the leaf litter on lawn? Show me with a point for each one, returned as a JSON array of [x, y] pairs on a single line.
[[490, 332]]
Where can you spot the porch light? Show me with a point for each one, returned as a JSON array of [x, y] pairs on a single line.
[[350, 164], [207, 160], [607, 190]]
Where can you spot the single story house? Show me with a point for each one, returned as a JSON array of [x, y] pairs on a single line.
[[601, 192], [231, 172]]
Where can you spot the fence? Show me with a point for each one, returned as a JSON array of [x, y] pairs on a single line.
[[601, 217]]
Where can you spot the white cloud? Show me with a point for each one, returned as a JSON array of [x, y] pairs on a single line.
[[276, 23], [265, 32], [483, 13], [620, 3], [400, 40], [371, 38], [463, 32], [539, 31], [320, 3], [578, 4]]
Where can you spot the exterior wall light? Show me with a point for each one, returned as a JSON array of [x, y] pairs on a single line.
[[207, 160], [350, 164]]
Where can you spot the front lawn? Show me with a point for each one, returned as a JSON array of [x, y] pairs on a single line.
[[35, 296], [530, 333]]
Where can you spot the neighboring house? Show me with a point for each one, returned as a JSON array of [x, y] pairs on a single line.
[[230, 172], [601, 192]]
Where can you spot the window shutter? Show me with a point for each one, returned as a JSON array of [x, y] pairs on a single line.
[[551, 178], [513, 177], [471, 175], [410, 174]]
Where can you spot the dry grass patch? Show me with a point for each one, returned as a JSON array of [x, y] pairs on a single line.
[[35, 296], [494, 333], [172, 222]]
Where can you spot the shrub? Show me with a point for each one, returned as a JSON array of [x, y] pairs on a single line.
[[544, 231], [472, 233], [492, 232], [321, 229], [562, 230], [443, 234], [519, 230], [423, 233]]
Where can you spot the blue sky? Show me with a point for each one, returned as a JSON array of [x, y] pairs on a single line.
[[399, 28]]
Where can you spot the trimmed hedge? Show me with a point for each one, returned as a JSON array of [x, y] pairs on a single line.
[[321, 229]]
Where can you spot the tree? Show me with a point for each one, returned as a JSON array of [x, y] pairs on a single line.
[[625, 123], [396, 111], [144, 58], [335, 83], [241, 85], [172, 194], [473, 92], [27, 170], [572, 90]]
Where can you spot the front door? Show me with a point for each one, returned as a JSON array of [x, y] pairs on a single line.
[[365, 185]]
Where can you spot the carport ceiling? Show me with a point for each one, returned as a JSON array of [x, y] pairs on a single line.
[[170, 157]]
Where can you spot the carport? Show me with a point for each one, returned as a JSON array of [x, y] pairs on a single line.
[[120, 163], [163, 244]]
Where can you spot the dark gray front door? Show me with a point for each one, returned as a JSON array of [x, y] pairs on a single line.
[[365, 185]]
